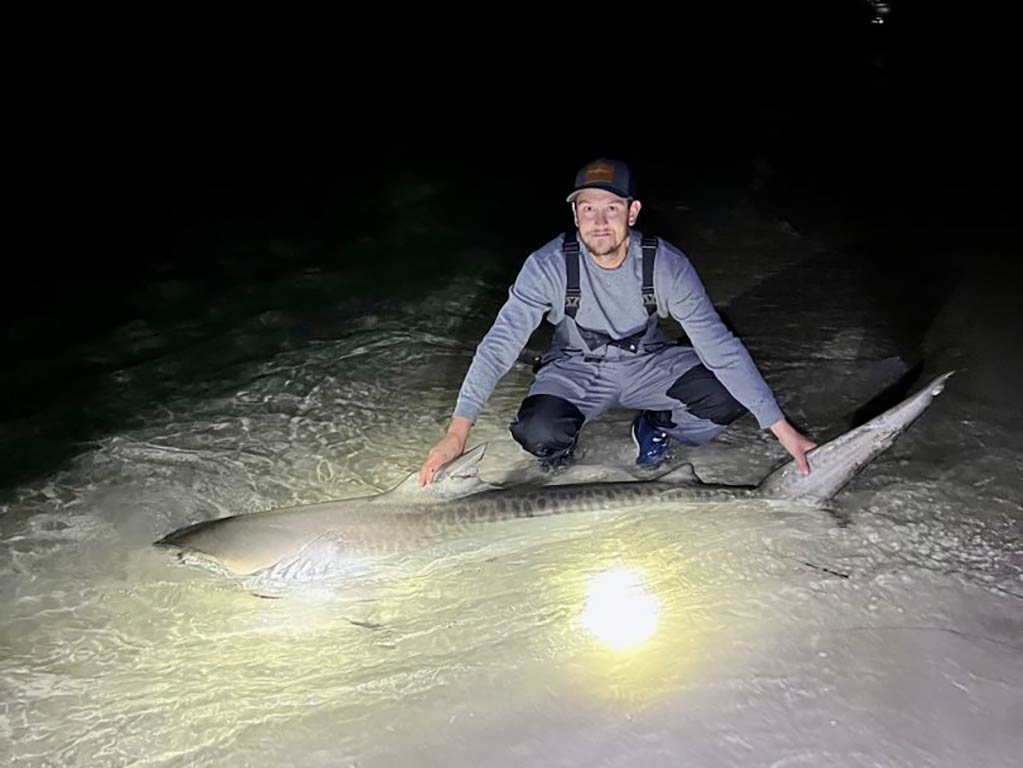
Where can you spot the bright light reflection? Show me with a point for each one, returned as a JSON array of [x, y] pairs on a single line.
[[619, 612]]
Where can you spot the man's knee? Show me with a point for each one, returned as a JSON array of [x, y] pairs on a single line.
[[546, 425], [706, 397]]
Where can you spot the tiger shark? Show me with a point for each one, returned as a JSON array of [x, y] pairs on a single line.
[[282, 542]]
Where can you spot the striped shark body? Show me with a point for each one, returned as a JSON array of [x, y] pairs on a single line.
[[283, 541]]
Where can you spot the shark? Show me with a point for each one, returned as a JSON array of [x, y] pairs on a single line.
[[281, 544]]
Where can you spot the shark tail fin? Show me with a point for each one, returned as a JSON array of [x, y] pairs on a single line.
[[835, 463]]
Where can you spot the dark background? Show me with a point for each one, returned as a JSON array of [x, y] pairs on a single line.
[[215, 158]]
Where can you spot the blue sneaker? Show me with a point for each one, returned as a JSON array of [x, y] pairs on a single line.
[[651, 442]]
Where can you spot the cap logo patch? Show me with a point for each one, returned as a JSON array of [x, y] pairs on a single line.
[[601, 172]]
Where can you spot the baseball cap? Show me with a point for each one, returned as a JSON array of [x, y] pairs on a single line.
[[604, 173]]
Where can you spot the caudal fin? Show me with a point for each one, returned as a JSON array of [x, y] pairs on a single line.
[[835, 463]]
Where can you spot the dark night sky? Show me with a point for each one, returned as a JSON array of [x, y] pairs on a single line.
[[140, 162], [189, 154]]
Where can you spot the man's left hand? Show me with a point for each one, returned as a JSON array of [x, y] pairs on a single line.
[[796, 444]]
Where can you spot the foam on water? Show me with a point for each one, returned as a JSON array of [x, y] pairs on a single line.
[[887, 634]]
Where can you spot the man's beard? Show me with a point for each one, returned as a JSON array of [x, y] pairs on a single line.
[[606, 250]]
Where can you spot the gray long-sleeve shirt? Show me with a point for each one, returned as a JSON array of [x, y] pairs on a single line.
[[611, 303]]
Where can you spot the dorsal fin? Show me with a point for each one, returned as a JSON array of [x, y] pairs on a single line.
[[591, 473], [684, 474], [457, 471], [464, 466]]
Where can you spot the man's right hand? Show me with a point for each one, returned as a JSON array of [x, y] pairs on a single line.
[[449, 447]]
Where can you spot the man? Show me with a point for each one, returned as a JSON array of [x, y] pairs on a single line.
[[604, 288]]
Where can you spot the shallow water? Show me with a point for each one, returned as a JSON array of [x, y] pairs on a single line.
[[887, 631]]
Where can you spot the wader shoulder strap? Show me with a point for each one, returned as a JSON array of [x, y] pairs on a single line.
[[571, 248], [649, 254]]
